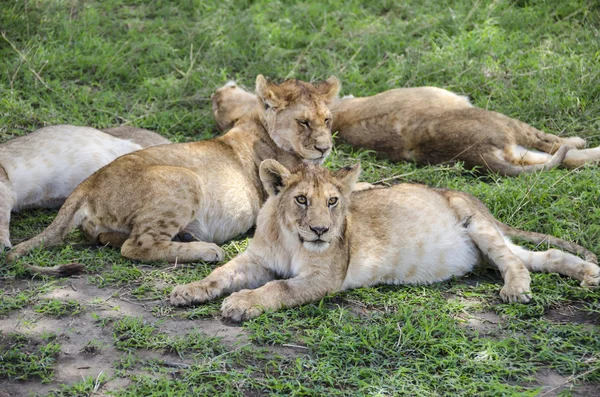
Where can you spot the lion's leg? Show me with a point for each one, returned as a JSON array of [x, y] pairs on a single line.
[[556, 261], [576, 158], [359, 186], [519, 155], [492, 244], [550, 143], [274, 295], [150, 240], [7, 201], [526, 135], [241, 272]]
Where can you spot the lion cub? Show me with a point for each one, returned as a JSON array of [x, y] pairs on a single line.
[[431, 125], [211, 188], [41, 169], [321, 238]]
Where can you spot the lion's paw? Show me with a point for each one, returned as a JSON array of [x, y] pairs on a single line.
[[516, 292], [208, 252], [192, 294], [241, 306]]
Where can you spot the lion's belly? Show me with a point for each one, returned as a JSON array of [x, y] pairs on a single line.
[[227, 212], [426, 245]]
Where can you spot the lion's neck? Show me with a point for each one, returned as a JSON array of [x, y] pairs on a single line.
[[251, 143]]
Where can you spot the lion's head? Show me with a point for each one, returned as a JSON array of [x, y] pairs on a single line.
[[311, 201], [230, 103], [297, 116]]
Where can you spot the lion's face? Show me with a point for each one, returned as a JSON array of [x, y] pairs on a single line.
[[311, 202], [297, 117]]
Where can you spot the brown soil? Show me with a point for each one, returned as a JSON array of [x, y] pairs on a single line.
[[77, 358]]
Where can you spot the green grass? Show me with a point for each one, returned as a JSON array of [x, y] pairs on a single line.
[[155, 64], [24, 358], [58, 307]]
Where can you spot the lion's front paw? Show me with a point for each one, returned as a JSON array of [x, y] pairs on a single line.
[[516, 292], [241, 306], [193, 293], [591, 277]]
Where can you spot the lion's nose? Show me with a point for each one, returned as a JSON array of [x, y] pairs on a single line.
[[322, 148], [319, 230]]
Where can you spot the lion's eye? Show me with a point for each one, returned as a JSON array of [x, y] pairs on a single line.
[[332, 202], [327, 122], [301, 200], [304, 123]]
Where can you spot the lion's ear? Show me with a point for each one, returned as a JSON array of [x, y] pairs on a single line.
[[347, 178], [329, 88], [269, 93], [273, 176]]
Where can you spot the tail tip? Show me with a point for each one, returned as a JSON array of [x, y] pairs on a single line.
[[70, 269]]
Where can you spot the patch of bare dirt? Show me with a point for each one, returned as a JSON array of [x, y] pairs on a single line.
[[573, 314], [553, 383], [87, 347]]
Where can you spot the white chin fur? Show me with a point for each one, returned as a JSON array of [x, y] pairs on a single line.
[[314, 247]]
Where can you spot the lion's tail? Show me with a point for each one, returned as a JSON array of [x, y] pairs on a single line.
[[540, 238], [64, 222]]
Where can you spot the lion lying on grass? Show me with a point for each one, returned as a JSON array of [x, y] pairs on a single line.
[[210, 189], [431, 125], [321, 238], [41, 169]]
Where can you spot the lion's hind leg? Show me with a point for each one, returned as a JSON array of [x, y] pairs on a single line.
[[175, 197], [489, 240], [560, 262], [577, 158], [151, 240], [519, 155]]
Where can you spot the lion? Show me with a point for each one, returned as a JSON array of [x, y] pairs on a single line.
[[41, 169], [429, 125], [315, 236], [210, 189]]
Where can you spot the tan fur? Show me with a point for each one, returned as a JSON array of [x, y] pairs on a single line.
[[211, 188], [143, 137], [230, 103], [430, 125], [313, 237]]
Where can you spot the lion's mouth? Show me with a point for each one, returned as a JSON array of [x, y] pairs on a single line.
[[314, 157], [317, 241]]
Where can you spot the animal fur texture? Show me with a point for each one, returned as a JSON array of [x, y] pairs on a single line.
[[429, 125], [41, 169], [315, 236], [211, 189]]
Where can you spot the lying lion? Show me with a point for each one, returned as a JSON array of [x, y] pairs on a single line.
[[210, 189], [41, 169], [430, 125], [320, 238]]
